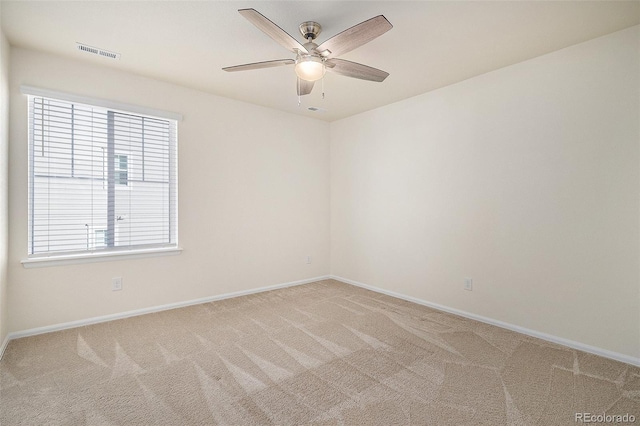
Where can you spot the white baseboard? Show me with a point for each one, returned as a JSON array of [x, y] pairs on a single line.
[[548, 337], [136, 312]]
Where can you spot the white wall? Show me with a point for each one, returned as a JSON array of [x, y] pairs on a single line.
[[4, 183], [525, 179], [253, 200]]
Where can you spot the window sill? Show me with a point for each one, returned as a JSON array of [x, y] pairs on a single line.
[[42, 262]]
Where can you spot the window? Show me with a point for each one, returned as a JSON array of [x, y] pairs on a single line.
[[100, 238], [121, 170], [80, 159]]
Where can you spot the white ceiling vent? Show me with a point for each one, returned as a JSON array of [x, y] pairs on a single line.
[[97, 51]]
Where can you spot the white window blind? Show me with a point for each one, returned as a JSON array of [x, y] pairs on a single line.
[[100, 180]]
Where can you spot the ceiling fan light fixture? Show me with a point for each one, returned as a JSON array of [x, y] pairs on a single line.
[[310, 68]]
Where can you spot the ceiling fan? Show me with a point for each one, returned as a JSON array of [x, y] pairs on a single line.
[[313, 60]]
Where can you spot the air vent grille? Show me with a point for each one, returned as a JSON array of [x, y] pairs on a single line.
[[97, 51]]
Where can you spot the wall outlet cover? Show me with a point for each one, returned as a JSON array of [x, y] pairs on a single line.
[[116, 284], [468, 284]]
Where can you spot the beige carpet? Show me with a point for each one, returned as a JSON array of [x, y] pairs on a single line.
[[322, 353]]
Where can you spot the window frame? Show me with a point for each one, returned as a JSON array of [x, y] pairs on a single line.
[[113, 253]]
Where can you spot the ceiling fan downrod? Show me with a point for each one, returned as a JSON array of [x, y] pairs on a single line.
[[310, 30]]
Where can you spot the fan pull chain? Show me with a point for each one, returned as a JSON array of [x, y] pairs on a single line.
[[298, 82], [323, 87]]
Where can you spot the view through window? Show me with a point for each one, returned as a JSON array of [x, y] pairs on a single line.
[[99, 179]]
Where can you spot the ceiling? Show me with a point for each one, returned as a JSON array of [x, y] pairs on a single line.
[[433, 43]]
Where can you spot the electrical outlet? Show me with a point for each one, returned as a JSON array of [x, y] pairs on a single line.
[[308, 259], [468, 284], [116, 284]]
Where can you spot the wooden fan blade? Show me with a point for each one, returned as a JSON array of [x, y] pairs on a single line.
[[355, 36], [258, 65], [272, 30], [355, 70], [304, 87]]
